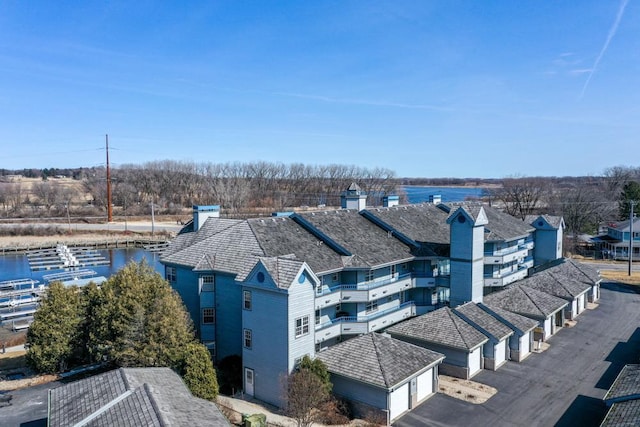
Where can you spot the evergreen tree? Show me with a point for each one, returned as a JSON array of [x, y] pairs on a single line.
[[198, 372], [53, 337], [319, 369]]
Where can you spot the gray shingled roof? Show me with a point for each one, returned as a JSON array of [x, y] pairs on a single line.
[[522, 323], [623, 414], [131, 397], [226, 247], [282, 270], [440, 327], [424, 223], [591, 273], [283, 236], [377, 359], [360, 237], [555, 284], [626, 385], [471, 312], [553, 220], [501, 226], [526, 301]]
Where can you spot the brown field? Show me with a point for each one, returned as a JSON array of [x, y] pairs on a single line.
[[622, 276]]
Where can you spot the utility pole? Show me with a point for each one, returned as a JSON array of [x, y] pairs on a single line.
[[632, 203], [109, 206]]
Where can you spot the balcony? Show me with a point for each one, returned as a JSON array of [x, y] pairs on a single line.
[[505, 256], [506, 278], [363, 292], [350, 325]]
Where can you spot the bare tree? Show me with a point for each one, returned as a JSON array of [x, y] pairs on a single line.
[[305, 393], [48, 194], [521, 196]]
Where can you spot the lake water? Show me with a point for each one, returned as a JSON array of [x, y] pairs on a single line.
[[448, 194], [16, 266]]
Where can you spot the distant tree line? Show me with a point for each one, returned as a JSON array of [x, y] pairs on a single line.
[[585, 203], [238, 187]]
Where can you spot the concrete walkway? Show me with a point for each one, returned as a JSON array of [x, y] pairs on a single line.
[[242, 406]]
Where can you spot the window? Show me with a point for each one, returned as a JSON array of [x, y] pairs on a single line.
[[319, 289], [211, 346], [368, 276], [247, 338], [371, 306], [208, 316], [171, 274], [246, 300], [208, 283], [302, 326], [317, 317], [334, 278]]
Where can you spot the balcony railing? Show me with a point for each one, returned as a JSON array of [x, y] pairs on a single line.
[[506, 278], [363, 324]]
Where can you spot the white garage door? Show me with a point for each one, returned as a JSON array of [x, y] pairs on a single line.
[[547, 327], [399, 401], [425, 384], [574, 308], [581, 304], [501, 352], [474, 361], [525, 341]]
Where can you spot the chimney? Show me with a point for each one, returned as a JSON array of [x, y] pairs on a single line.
[[436, 199], [353, 198], [202, 213], [390, 201]]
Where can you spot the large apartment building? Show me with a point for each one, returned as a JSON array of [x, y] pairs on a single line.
[[275, 289]]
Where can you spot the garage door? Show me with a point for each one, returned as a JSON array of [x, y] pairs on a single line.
[[425, 384], [399, 401], [474, 361], [501, 352], [581, 304], [547, 327], [525, 341]]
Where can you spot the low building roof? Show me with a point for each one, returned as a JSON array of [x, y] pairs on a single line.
[[378, 360], [555, 283], [441, 327], [131, 396], [477, 316], [526, 301], [623, 414], [626, 386], [522, 323]]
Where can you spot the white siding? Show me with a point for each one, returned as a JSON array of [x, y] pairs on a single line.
[[425, 384], [399, 401], [475, 359], [581, 303], [501, 352]]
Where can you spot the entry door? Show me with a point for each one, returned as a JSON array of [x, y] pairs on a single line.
[[248, 381]]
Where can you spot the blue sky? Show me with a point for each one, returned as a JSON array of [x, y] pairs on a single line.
[[426, 88]]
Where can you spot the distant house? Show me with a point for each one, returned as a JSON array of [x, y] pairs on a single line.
[[131, 397], [377, 372], [615, 243]]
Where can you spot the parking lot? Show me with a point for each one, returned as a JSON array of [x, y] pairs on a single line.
[[562, 386]]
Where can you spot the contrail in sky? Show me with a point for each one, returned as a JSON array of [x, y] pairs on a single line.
[[612, 32]]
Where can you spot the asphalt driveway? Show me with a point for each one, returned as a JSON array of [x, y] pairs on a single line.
[[563, 386]]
